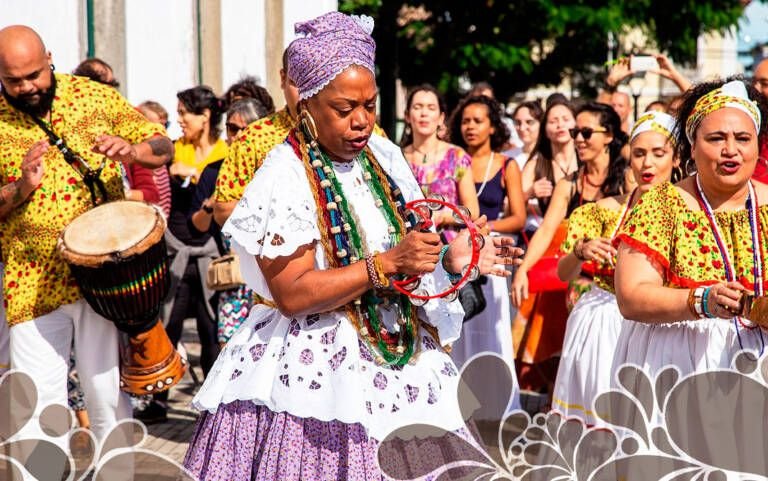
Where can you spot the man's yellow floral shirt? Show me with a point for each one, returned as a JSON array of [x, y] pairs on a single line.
[[37, 281]]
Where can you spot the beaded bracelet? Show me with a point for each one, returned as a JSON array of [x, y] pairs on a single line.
[[704, 304], [379, 268], [454, 278], [578, 249], [371, 268]]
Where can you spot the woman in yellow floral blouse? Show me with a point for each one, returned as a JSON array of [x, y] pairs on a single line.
[[595, 321], [695, 247]]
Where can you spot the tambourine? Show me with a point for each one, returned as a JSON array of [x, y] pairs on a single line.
[[421, 210], [755, 309]]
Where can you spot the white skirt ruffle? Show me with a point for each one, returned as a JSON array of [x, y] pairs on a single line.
[[316, 367], [586, 362]]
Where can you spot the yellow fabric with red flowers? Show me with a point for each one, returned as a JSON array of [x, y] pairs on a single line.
[[37, 280], [680, 242], [591, 221]]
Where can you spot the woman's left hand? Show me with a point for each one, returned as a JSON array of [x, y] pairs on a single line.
[[497, 252]]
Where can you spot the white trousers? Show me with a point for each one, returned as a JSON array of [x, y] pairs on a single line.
[[41, 348]]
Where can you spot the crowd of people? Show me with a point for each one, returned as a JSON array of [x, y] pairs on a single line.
[[310, 358]]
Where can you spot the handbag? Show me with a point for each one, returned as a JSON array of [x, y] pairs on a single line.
[[224, 273], [542, 277], [472, 298]]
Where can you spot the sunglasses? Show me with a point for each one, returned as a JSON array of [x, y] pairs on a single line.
[[233, 129], [586, 132]]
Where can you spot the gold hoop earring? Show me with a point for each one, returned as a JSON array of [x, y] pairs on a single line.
[[677, 175], [308, 125]]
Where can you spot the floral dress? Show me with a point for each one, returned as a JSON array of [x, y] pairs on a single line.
[[680, 243]]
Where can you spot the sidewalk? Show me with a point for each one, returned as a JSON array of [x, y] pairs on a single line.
[[172, 437]]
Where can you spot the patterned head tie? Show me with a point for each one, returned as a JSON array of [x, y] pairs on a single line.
[[733, 94], [327, 45], [654, 122]]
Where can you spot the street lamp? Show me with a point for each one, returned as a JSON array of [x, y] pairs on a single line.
[[636, 86]]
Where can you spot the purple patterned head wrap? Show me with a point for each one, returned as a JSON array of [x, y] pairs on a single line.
[[330, 43]]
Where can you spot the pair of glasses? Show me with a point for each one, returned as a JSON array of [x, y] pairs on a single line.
[[233, 129], [586, 132]]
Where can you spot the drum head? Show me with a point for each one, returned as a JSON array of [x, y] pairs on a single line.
[[113, 228]]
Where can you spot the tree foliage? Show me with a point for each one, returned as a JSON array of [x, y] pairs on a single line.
[[517, 44]]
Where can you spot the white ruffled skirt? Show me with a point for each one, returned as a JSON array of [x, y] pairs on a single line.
[[490, 331], [316, 367], [586, 362]]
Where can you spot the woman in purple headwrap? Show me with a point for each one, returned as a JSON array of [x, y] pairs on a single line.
[[308, 386]]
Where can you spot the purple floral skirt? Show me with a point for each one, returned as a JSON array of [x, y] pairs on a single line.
[[246, 441]]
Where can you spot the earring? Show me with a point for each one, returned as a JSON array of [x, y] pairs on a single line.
[[307, 123], [53, 67], [677, 175], [690, 167]]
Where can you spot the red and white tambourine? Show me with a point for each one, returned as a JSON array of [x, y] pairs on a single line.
[[422, 211]]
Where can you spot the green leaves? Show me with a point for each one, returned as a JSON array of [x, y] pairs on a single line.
[[520, 43]]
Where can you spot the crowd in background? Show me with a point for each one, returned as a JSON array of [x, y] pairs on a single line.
[[526, 167]]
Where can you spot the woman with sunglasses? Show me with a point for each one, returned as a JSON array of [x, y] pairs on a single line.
[[241, 113], [599, 141], [595, 322], [477, 126], [697, 246]]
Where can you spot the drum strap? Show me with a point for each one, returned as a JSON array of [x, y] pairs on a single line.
[[91, 178]]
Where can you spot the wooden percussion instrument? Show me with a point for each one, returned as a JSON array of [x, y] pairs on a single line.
[[118, 256]]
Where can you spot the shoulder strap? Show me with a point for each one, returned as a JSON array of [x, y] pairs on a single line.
[[91, 178]]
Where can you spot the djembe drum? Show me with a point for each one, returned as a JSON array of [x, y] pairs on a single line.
[[118, 256]]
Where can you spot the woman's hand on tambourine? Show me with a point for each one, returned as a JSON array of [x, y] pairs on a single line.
[[496, 252], [519, 291], [723, 299], [416, 254]]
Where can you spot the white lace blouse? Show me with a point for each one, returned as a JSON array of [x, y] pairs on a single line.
[[316, 366]]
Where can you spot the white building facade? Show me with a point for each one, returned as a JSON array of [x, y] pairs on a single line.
[[159, 47]]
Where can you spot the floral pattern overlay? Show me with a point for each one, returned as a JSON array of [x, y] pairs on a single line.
[[118, 456], [706, 425]]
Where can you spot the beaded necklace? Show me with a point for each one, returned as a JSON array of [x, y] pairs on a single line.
[[624, 213], [344, 244], [757, 255]]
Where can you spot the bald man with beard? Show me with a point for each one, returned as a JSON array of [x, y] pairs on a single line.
[[760, 82], [40, 194]]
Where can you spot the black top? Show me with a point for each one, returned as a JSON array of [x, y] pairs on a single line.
[[186, 200]]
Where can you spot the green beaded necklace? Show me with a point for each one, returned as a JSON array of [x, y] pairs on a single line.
[[348, 245]]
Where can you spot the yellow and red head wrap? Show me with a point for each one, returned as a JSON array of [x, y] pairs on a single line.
[[733, 94]]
